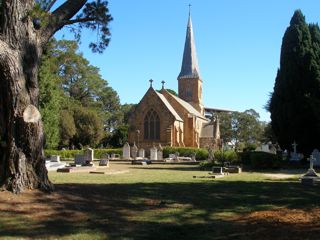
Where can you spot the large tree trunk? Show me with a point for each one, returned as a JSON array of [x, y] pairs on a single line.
[[22, 163]]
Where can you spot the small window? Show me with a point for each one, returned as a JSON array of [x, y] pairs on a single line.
[[151, 126]]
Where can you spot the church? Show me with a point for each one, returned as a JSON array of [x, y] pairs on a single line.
[[163, 118]]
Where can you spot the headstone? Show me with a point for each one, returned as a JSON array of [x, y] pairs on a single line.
[[160, 152], [217, 170], [210, 153], [311, 177], [153, 153], [104, 162], [193, 156], [294, 156], [54, 158], [134, 151], [141, 153], [89, 155], [79, 159], [316, 157], [126, 151]]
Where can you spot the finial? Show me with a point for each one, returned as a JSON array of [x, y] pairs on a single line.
[[163, 82], [189, 9], [150, 82]]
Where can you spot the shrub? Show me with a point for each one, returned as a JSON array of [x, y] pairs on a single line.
[[98, 153], [201, 154], [262, 160], [226, 156]]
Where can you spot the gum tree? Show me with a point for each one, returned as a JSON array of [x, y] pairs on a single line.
[[26, 27]]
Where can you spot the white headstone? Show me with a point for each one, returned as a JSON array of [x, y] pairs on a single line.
[[153, 153], [134, 151], [126, 151], [89, 154], [55, 158], [141, 153]]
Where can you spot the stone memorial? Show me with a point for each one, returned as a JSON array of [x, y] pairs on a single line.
[[126, 151], [153, 153], [193, 157], [53, 163], [89, 156], [134, 151], [104, 162], [294, 156], [55, 158], [160, 153], [79, 159], [141, 153], [311, 177]]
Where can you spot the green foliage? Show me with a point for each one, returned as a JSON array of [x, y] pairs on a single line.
[[119, 136], [89, 127], [97, 10], [201, 153], [226, 156], [98, 153], [242, 128], [50, 101], [261, 160], [74, 90], [67, 127], [295, 101]]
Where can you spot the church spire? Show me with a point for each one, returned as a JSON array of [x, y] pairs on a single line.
[[189, 68]]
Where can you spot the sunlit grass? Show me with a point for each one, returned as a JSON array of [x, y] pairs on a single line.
[[150, 202]]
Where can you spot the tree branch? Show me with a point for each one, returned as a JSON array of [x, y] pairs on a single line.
[[61, 16], [50, 5], [73, 21]]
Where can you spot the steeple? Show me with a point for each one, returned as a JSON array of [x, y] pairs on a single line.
[[189, 68], [189, 80]]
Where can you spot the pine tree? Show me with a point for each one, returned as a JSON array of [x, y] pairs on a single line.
[[294, 104]]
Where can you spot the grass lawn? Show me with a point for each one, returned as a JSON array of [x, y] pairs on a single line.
[[163, 202]]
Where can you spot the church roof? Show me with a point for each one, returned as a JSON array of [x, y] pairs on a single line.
[[189, 68], [169, 107], [188, 107]]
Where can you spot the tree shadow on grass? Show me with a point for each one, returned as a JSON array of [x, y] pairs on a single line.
[[203, 210]]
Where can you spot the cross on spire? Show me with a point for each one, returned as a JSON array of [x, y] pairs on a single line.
[[150, 82], [189, 8], [163, 82]]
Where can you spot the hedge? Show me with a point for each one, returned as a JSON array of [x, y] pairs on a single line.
[[262, 160], [98, 153], [201, 154]]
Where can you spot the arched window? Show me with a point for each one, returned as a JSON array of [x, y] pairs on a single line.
[[151, 126]]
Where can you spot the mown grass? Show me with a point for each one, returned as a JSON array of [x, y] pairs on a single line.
[[152, 202]]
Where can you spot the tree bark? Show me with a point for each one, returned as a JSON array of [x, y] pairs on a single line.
[[22, 163]]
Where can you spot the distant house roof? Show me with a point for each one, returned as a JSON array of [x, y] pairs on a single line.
[[189, 67], [169, 107]]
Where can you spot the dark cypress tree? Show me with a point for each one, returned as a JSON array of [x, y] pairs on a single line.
[[295, 102]]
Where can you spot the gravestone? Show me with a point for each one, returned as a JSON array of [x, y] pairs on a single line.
[[153, 153], [89, 154], [294, 156], [134, 151], [79, 159], [160, 153], [126, 151], [54, 158], [104, 162], [141, 153], [311, 177], [316, 157], [193, 157]]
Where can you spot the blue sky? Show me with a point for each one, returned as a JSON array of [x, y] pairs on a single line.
[[238, 46]]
